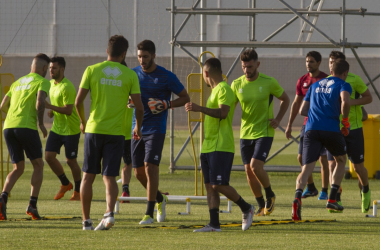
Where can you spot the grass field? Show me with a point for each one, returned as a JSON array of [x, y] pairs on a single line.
[[62, 228]]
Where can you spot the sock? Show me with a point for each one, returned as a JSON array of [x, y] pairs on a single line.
[[33, 201], [126, 188], [260, 200], [338, 196], [298, 194], [324, 190], [333, 192], [214, 217], [311, 187], [268, 192], [159, 197], [365, 189], [109, 214], [4, 195], [150, 208], [63, 179], [244, 206], [77, 186]]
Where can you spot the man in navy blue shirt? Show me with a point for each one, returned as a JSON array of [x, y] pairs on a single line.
[[323, 104], [156, 85]]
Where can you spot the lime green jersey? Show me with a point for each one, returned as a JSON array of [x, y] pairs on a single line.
[[22, 111], [110, 85], [218, 132], [256, 100], [358, 88], [128, 123], [61, 94]]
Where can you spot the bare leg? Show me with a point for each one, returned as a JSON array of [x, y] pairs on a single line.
[[254, 184], [126, 174], [37, 176], [18, 170], [112, 191], [362, 173], [152, 174], [141, 175], [310, 178], [86, 194], [257, 167], [75, 169], [54, 164], [303, 176], [338, 173], [213, 198], [325, 174]]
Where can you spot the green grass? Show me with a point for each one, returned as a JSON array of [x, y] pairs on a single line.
[[350, 231]]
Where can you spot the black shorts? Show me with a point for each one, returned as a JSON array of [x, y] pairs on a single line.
[[55, 141], [315, 140], [127, 152], [147, 149], [255, 148], [106, 147], [300, 147], [216, 167], [23, 139], [355, 146]]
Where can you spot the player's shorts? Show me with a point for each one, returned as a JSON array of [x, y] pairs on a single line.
[[216, 167], [23, 139], [106, 147], [255, 148], [127, 152], [315, 140], [300, 147], [147, 149], [55, 141], [355, 146]]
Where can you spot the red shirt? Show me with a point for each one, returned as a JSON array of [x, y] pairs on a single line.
[[304, 83]]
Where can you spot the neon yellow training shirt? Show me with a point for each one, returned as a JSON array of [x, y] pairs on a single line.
[[218, 132], [110, 85], [256, 100], [62, 94], [22, 111]]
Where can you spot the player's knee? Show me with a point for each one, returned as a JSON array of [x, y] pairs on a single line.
[[49, 158], [71, 162], [299, 158], [139, 173]]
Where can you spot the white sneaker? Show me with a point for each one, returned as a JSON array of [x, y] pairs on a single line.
[[207, 228], [247, 218], [161, 213], [146, 220], [87, 225], [106, 223]]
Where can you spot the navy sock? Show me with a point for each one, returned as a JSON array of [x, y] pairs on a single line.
[[311, 187], [365, 189], [77, 185], [33, 201], [63, 179], [126, 188], [150, 208], [4, 195], [260, 200], [244, 206], [298, 194], [333, 192], [268, 192], [159, 197], [324, 190], [214, 217]]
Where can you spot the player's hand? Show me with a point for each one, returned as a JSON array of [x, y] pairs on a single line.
[[47, 105], [274, 123], [43, 130], [136, 134], [82, 127], [157, 106], [346, 127], [288, 132], [130, 105], [50, 113], [190, 106]]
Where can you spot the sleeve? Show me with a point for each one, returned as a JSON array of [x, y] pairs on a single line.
[[276, 89], [9, 93], [45, 86], [233, 88], [346, 87], [308, 94], [135, 89], [85, 82], [175, 85], [69, 95], [225, 96], [299, 87], [360, 86]]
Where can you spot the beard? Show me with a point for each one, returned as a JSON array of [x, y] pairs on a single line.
[[251, 75], [148, 64]]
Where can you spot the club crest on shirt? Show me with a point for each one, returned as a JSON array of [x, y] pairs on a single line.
[[155, 80], [261, 89], [241, 91], [305, 84]]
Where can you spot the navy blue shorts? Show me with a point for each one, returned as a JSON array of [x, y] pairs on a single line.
[[55, 141], [127, 152], [355, 146], [23, 139], [300, 147], [106, 147], [315, 140], [255, 148], [216, 167], [147, 149]]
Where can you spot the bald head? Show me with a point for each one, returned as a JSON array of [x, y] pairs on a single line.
[[40, 64]]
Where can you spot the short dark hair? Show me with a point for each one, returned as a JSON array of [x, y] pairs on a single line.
[[60, 60], [337, 55], [214, 66], [43, 57], [340, 66], [117, 45], [124, 63], [315, 54], [147, 45], [248, 55]]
